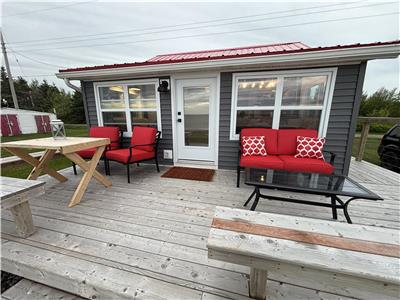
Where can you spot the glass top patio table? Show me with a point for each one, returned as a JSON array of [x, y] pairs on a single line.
[[321, 184]]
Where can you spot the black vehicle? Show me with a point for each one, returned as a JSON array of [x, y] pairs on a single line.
[[389, 149]]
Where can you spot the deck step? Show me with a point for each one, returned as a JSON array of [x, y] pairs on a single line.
[[30, 290], [85, 278]]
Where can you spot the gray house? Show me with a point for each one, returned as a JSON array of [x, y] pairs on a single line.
[[200, 100]]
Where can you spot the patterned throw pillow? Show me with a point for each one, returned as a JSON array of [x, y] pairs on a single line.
[[308, 147], [253, 145]]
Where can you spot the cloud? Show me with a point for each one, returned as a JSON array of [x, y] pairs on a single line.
[[96, 17]]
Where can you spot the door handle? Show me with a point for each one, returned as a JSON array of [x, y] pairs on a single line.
[[179, 120]]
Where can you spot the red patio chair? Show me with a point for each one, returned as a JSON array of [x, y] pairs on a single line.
[[144, 146], [113, 133]]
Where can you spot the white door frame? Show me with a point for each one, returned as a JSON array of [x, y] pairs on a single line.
[[175, 77]]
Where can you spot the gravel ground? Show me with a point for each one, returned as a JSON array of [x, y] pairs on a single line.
[[8, 280]]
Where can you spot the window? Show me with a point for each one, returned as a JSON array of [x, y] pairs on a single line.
[[395, 133], [127, 104], [287, 99]]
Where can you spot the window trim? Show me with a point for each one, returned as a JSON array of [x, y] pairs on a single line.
[[277, 108], [127, 109]]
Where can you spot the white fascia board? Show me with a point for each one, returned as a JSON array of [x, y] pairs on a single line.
[[334, 56]]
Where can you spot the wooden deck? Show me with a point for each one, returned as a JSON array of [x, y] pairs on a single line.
[[148, 239]]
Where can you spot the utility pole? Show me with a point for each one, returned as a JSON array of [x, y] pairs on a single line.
[[10, 79]]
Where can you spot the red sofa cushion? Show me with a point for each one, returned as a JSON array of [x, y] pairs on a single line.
[[122, 155], [287, 139], [262, 162], [253, 145], [110, 132], [306, 165], [271, 138], [142, 135]]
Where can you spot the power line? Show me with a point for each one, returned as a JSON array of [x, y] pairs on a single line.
[[46, 9], [184, 24], [16, 59], [35, 60], [215, 33], [205, 26]]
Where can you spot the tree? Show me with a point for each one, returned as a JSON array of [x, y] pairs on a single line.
[[42, 96], [77, 109], [382, 103], [23, 92], [5, 89]]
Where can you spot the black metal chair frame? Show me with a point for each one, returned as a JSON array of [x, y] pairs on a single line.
[[239, 168], [155, 147], [108, 147]]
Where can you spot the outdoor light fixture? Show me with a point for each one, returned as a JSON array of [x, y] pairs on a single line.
[[57, 129], [164, 86]]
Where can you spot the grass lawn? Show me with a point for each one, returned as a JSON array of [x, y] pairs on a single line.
[[73, 130], [371, 148], [22, 169]]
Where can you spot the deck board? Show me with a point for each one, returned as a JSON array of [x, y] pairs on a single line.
[[157, 228]]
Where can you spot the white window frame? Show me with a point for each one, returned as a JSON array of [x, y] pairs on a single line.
[[127, 109], [277, 108]]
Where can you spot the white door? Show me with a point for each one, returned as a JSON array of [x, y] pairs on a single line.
[[196, 119]]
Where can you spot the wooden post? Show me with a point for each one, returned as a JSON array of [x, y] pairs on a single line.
[[363, 141], [23, 219], [258, 284]]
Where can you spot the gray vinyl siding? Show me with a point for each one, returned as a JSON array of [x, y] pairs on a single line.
[[166, 122], [91, 112], [341, 126], [342, 119]]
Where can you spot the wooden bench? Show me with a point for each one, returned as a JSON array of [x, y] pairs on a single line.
[[14, 195], [345, 259]]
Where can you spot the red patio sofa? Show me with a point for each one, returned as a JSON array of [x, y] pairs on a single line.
[[281, 145]]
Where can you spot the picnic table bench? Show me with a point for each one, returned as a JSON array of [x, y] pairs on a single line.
[[345, 259], [14, 195]]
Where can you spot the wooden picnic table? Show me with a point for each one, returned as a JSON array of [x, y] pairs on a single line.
[[346, 259], [67, 147], [14, 195]]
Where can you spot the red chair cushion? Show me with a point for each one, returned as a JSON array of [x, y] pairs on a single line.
[[310, 147], [287, 139], [262, 162], [143, 136], [87, 153], [122, 155], [306, 165], [271, 138], [253, 146], [110, 132]]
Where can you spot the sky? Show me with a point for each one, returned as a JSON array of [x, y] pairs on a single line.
[[42, 37]]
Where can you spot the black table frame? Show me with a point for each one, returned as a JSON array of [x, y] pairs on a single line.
[[336, 202]]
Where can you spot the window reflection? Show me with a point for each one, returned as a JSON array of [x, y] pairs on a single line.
[[115, 119], [309, 90], [196, 118], [253, 118], [300, 119], [112, 97], [256, 92], [142, 96]]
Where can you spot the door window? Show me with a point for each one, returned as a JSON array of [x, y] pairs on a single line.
[[196, 104]]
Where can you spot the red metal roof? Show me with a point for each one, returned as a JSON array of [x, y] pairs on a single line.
[[211, 54], [260, 50]]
